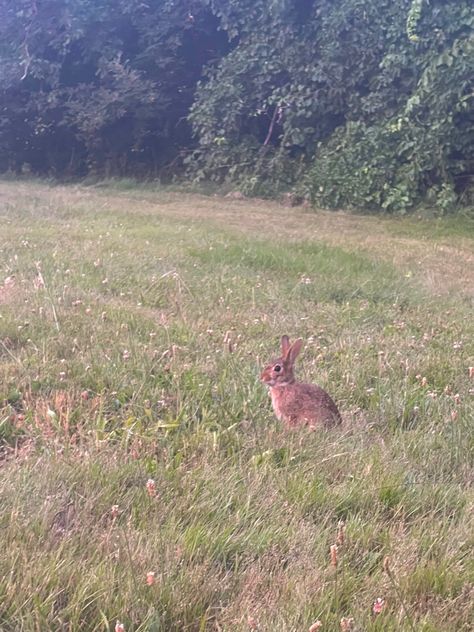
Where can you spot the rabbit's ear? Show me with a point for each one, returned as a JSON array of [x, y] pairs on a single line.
[[285, 345], [294, 350]]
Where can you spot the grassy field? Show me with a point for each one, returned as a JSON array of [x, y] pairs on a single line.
[[133, 325]]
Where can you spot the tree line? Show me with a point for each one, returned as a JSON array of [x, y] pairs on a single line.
[[352, 103]]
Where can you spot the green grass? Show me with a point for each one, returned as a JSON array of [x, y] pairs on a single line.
[[136, 355]]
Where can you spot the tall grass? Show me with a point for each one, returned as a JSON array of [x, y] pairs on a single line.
[[132, 328]]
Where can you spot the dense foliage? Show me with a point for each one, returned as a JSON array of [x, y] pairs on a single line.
[[364, 103], [100, 85]]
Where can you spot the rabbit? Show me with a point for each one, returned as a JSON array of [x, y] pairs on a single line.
[[296, 403]]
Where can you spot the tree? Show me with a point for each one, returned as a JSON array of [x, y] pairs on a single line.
[[363, 103], [103, 85], [377, 94]]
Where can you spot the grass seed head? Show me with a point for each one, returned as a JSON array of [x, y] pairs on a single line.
[[317, 625], [333, 550], [341, 533]]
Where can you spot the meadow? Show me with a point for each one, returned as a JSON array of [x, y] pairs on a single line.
[[145, 484]]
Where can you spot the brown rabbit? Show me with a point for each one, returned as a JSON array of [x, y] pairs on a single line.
[[296, 403]]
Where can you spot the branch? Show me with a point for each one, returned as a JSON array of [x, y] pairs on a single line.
[[27, 60], [272, 123]]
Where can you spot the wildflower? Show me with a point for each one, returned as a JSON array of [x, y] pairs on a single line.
[[85, 395], [347, 624], [151, 487], [252, 622], [150, 578], [471, 372], [424, 381], [119, 627], [126, 355], [333, 550], [454, 415], [378, 606], [317, 625], [114, 511]]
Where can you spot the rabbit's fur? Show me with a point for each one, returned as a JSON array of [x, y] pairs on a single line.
[[296, 403]]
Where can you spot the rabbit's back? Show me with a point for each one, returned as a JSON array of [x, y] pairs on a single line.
[[302, 404]]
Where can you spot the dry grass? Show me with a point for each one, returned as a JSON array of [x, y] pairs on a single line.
[[132, 327], [441, 255]]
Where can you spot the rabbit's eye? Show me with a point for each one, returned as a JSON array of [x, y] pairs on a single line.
[[277, 368]]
